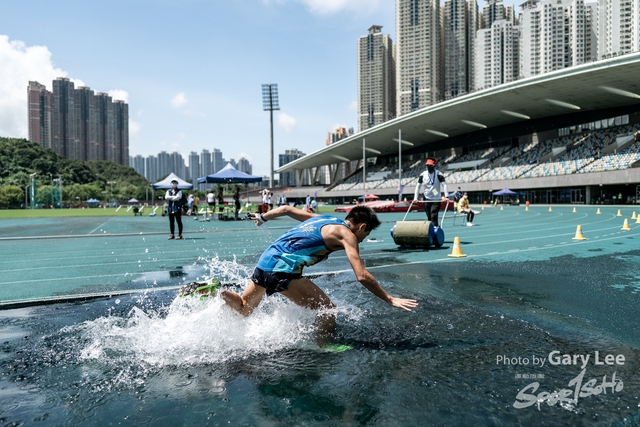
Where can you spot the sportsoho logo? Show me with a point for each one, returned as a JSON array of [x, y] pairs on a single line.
[[578, 388]]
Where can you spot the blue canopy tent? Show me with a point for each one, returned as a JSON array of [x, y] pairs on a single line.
[[92, 202], [228, 175], [505, 192]]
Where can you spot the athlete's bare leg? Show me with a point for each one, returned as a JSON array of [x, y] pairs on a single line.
[[249, 300], [305, 293]]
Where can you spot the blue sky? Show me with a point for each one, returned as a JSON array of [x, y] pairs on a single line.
[[191, 70]]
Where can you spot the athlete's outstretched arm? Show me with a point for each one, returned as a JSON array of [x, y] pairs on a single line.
[[367, 280], [298, 214]]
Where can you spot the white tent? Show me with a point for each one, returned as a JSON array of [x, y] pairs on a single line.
[[165, 184]]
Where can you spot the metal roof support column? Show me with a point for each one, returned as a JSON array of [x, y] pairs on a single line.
[[399, 165], [299, 177], [364, 169]]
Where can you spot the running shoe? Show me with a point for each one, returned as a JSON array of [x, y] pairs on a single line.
[[171, 237], [179, 237], [469, 224], [200, 289], [336, 348]]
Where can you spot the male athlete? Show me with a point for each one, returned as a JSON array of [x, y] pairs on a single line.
[[280, 266]]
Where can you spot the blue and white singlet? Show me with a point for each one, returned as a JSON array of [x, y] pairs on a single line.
[[301, 246]]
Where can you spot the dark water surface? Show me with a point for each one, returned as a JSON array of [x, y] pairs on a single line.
[[477, 338]]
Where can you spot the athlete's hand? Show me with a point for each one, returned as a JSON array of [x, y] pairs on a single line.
[[405, 304], [255, 218]]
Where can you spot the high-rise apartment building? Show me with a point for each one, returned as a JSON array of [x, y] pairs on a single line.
[[618, 27], [376, 79], [556, 34], [64, 119], [495, 10], [460, 23], [86, 122], [419, 80], [217, 160], [78, 123], [151, 169], [244, 165], [340, 133], [497, 54], [289, 179], [194, 168], [40, 114], [138, 164]]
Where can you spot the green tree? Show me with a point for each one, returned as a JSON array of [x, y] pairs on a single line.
[[11, 196]]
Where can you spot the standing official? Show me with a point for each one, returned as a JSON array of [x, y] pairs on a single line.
[[435, 190]]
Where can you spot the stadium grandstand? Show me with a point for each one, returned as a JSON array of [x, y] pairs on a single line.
[[570, 136]]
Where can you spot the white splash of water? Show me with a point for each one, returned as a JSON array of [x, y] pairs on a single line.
[[192, 331]]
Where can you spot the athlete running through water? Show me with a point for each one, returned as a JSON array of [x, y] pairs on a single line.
[[280, 266]]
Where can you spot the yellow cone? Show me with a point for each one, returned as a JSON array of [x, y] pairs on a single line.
[[598, 213], [527, 208], [626, 227], [483, 208], [550, 210], [457, 250], [634, 215], [638, 220], [501, 208], [619, 213], [579, 235], [574, 210]]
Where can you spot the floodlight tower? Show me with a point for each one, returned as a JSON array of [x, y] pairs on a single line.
[[270, 103]]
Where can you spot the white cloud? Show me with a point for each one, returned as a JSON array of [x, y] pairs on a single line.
[[19, 65], [134, 127], [119, 95], [286, 122], [180, 100], [328, 7]]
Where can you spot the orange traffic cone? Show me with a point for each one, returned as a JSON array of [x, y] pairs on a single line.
[[574, 210], [579, 235], [457, 250], [598, 213], [619, 213], [625, 226]]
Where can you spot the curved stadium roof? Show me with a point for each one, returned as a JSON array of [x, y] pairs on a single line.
[[510, 109]]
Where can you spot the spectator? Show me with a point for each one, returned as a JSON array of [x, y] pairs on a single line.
[[220, 203], [463, 207], [211, 201], [236, 201], [174, 209], [196, 201], [190, 204]]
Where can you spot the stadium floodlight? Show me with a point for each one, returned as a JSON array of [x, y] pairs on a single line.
[[270, 103]]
